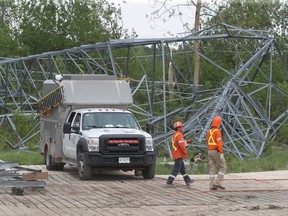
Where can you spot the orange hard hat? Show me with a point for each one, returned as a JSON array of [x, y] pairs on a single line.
[[178, 124], [216, 121]]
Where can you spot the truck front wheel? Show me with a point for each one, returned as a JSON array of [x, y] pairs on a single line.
[[149, 172], [48, 160], [84, 170]]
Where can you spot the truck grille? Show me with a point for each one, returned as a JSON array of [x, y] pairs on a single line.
[[122, 145]]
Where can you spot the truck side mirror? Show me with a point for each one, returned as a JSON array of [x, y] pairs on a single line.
[[67, 127]]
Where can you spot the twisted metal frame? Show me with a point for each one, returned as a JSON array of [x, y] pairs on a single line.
[[240, 62]]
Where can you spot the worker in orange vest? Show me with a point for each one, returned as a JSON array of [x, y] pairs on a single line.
[[179, 153], [215, 154]]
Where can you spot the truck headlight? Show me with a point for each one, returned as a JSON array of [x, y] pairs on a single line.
[[149, 144], [93, 144]]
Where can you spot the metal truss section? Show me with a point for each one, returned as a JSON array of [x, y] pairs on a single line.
[[239, 74]]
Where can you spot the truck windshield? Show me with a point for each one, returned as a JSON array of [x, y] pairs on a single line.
[[108, 120]]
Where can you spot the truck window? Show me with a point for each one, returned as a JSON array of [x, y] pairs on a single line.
[[109, 120], [71, 117], [76, 122]]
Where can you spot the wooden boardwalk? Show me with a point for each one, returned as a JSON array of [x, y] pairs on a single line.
[[122, 193]]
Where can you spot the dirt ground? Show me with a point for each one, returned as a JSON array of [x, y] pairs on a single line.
[[123, 193]]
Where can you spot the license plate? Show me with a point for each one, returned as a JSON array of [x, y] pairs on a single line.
[[124, 160]]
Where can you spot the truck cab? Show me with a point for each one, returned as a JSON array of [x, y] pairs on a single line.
[[97, 132]]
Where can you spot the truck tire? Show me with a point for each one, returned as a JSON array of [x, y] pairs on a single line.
[[149, 172], [84, 170], [48, 160]]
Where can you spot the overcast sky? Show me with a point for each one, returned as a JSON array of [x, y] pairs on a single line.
[[135, 11]]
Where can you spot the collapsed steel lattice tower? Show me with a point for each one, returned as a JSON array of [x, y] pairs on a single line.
[[242, 64]]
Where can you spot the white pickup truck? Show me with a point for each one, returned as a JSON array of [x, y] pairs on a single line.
[[85, 122]]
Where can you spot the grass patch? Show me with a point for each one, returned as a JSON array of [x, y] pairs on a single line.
[[22, 157], [274, 159]]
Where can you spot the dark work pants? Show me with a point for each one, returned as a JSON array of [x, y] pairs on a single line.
[[178, 167]]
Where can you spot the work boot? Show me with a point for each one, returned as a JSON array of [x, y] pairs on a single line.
[[219, 187], [189, 182], [170, 180], [213, 187]]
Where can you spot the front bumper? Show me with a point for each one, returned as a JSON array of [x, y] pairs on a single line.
[[99, 160]]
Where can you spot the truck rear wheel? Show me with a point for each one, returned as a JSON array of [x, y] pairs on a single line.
[[149, 172], [48, 160], [84, 170]]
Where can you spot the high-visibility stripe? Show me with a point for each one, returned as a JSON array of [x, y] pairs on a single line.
[[211, 140], [183, 141], [185, 175], [172, 176], [173, 144]]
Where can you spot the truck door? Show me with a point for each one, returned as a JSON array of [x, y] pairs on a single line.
[[70, 139]]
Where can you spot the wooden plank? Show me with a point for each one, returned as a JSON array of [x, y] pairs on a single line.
[[35, 176]]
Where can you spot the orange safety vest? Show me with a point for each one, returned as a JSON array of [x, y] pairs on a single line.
[[178, 146], [214, 140]]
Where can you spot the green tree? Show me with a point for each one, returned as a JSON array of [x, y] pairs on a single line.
[[7, 44], [247, 14], [40, 26]]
